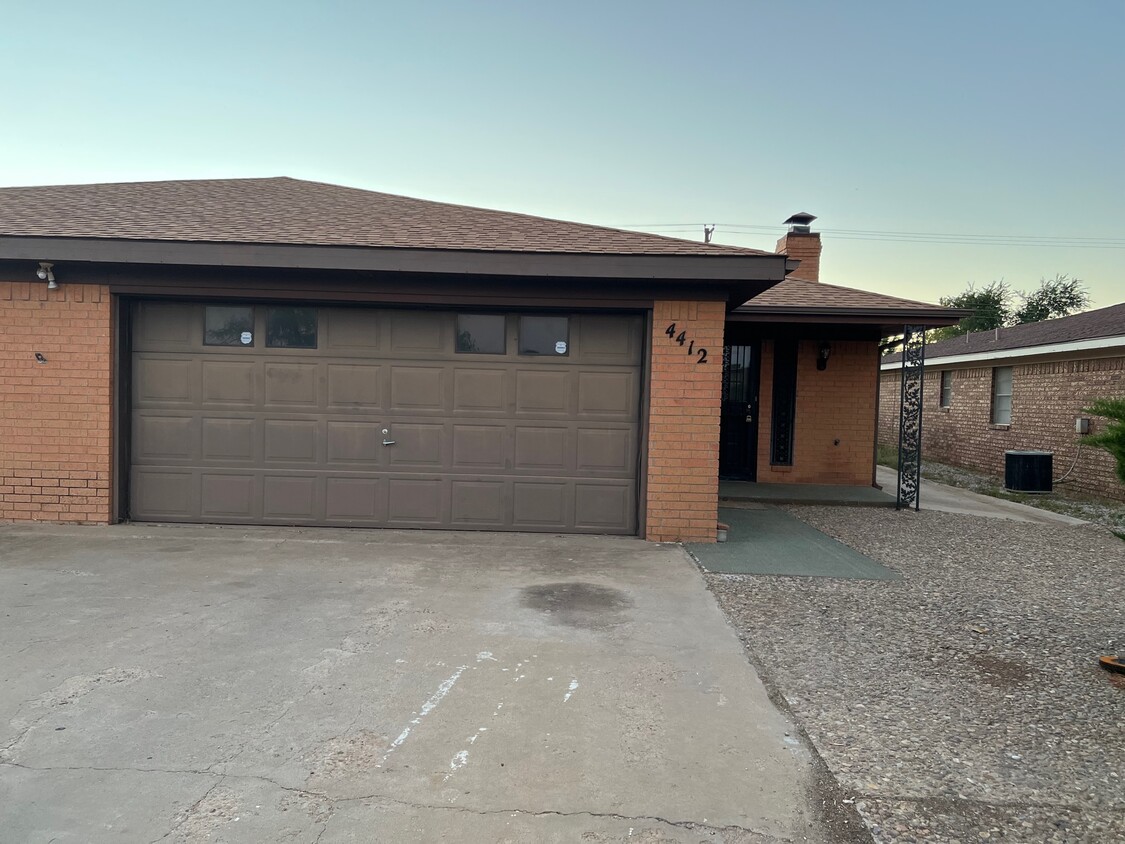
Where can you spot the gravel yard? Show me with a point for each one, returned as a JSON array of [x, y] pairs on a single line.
[[963, 703]]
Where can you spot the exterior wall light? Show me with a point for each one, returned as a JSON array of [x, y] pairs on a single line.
[[822, 353], [46, 274]]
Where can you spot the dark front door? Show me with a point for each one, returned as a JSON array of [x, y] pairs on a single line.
[[738, 435]]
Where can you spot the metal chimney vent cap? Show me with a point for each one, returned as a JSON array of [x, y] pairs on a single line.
[[800, 222]]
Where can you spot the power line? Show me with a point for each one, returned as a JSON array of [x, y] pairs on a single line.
[[963, 239]]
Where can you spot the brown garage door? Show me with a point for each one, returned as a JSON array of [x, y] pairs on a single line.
[[391, 418]]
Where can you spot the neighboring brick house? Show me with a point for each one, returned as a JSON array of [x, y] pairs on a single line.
[[273, 351], [1020, 388]]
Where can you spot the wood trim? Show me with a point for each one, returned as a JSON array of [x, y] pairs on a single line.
[[718, 269]]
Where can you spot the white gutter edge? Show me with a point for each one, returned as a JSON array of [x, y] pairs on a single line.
[[1025, 352]]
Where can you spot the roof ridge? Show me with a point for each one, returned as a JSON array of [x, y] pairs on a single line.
[[523, 215], [152, 182]]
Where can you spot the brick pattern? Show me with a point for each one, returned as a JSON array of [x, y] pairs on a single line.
[[835, 429], [1046, 399], [55, 424], [806, 249], [683, 431]]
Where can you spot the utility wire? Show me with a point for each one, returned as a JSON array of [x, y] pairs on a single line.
[[906, 236]]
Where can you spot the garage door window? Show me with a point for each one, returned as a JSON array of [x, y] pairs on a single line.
[[291, 328], [544, 335], [481, 334], [228, 326]]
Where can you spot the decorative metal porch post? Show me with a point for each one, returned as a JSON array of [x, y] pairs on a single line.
[[910, 416]]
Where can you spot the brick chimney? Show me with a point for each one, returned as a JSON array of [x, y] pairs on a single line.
[[802, 243]]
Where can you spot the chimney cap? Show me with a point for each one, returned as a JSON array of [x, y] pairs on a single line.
[[801, 218]]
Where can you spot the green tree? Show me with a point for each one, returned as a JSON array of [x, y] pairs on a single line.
[[1112, 439], [1056, 297], [991, 306]]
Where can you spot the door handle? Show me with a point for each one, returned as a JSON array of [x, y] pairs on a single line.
[[386, 431]]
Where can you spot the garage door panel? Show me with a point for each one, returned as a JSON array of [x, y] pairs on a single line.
[[542, 504], [478, 504], [162, 381], [542, 449], [290, 441], [355, 499], [477, 447], [228, 496], [354, 442], [543, 391], [350, 331], [480, 391], [603, 507], [165, 437], [255, 434], [229, 382], [228, 438], [416, 332], [415, 388], [288, 497], [602, 450], [354, 387], [614, 340], [291, 385], [607, 395], [415, 502], [417, 445], [166, 325], [165, 495]]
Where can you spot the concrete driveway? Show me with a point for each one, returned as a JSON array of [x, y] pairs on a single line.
[[226, 684]]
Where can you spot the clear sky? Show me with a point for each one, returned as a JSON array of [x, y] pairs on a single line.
[[1003, 118]]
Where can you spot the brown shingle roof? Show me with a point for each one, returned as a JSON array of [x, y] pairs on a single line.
[[1091, 325], [292, 211], [799, 293]]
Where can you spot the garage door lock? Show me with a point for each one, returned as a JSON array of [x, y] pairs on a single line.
[[386, 431]]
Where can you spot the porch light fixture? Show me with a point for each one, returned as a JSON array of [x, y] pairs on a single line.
[[46, 274], [822, 353]]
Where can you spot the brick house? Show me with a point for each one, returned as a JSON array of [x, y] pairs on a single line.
[[1018, 388], [273, 351]]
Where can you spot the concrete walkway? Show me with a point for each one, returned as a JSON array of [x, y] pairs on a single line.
[[767, 540], [949, 499], [249, 685], [831, 494]]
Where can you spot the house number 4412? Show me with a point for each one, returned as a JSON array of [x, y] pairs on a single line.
[[682, 339]]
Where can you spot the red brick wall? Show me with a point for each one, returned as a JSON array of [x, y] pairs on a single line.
[[1046, 398], [683, 430], [55, 423], [834, 441], [806, 249]]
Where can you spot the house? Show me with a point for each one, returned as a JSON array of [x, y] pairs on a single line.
[[276, 351], [1021, 388]]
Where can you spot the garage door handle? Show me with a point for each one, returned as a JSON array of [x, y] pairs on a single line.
[[385, 440]]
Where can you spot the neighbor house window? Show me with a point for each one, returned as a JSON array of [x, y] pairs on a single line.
[[540, 335], [1002, 395], [945, 398], [228, 326], [482, 334], [291, 328]]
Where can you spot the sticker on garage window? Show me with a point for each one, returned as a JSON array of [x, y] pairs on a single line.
[[246, 337], [560, 348]]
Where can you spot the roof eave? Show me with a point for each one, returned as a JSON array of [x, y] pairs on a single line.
[[928, 317], [758, 270], [1094, 346]]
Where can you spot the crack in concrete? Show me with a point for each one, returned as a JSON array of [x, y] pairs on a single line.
[[187, 813], [678, 824], [689, 825]]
